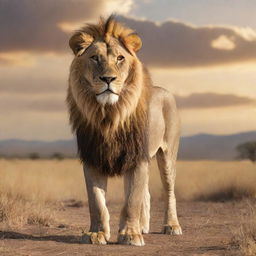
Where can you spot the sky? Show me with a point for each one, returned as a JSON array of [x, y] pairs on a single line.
[[203, 51]]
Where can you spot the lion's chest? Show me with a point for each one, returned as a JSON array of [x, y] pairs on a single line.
[[116, 156]]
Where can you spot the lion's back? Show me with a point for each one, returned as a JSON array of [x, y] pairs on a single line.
[[163, 119]]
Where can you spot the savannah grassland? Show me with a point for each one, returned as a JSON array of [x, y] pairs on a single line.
[[43, 210]]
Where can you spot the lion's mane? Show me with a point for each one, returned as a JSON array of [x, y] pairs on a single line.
[[112, 139]]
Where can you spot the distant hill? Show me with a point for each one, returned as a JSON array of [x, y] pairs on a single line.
[[197, 147], [213, 147], [21, 148]]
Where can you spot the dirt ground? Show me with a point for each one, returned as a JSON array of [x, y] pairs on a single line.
[[207, 230]]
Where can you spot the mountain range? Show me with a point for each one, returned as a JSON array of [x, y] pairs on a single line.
[[196, 147]]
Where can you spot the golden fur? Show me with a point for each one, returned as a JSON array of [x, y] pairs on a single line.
[[104, 132]]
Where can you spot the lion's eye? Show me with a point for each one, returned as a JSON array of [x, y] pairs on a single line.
[[95, 58], [120, 58]]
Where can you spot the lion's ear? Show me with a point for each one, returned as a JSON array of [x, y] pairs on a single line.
[[132, 42], [79, 42]]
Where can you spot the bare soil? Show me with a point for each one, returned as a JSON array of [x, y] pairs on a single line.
[[207, 230]]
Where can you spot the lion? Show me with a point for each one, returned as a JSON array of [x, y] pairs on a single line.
[[121, 121]]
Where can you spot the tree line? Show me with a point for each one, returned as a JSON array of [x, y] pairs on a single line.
[[246, 151]]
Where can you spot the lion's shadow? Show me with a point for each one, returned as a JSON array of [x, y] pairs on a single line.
[[70, 239]]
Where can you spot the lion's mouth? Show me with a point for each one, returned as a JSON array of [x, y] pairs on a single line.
[[107, 91]]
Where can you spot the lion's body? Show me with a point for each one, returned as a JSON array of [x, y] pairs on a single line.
[[121, 121], [164, 123]]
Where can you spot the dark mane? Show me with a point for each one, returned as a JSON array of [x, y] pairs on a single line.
[[115, 157]]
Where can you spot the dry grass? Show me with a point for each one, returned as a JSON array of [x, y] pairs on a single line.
[[29, 189], [210, 180], [6, 251], [17, 211], [245, 238], [228, 192], [42, 180]]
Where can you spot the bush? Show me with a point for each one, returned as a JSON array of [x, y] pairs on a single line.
[[247, 150], [34, 156], [57, 156]]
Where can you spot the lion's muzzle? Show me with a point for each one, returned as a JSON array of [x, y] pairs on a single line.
[[107, 96]]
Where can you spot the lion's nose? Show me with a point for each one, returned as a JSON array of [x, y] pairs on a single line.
[[107, 79]]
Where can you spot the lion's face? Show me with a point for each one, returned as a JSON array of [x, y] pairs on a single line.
[[107, 82], [106, 68]]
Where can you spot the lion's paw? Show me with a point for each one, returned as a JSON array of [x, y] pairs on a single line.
[[131, 239], [145, 230], [172, 230], [94, 238]]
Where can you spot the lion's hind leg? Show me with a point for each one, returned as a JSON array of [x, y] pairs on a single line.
[[145, 211], [166, 163]]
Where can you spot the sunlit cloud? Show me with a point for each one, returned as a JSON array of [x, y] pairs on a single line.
[[223, 43], [21, 59], [110, 7], [118, 6], [247, 33], [69, 27], [218, 121], [212, 100]]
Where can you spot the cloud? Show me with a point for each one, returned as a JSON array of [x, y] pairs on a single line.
[[48, 74], [44, 102], [27, 25], [37, 26], [176, 44], [16, 58], [212, 100], [223, 43]]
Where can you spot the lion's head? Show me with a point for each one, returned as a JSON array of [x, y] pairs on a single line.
[[106, 76], [108, 97]]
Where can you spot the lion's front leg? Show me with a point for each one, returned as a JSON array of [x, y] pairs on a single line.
[[130, 228], [96, 185]]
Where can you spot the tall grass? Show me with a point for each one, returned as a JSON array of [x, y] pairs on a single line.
[[30, 189], [210, 180], [17, 211]]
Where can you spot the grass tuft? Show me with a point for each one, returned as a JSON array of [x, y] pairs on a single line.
[[244, 238], [18, 211]]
